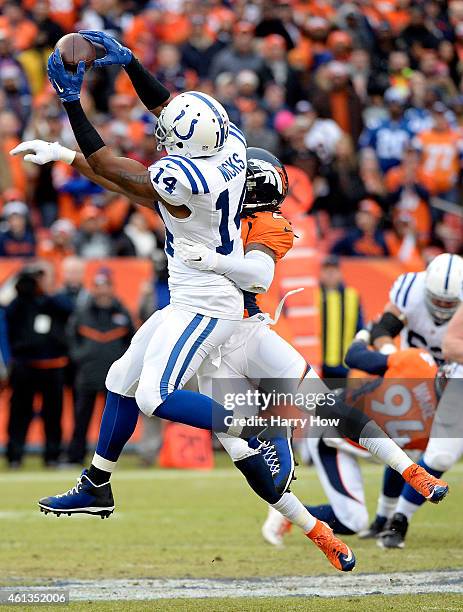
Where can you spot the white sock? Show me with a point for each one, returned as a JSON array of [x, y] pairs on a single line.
[[292, 509], [406, 507], [386, 505], [378, 444], [103, 464]]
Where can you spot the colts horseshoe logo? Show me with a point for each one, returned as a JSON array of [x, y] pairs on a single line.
[[189, 134]]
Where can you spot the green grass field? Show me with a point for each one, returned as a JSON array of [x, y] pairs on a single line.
[[190, 524]]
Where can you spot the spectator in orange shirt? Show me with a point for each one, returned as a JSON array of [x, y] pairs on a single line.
[[403, 242], [22, 30], [339, 101], [408, 195], [300, 196], [124, 129], [12, 172], [441, 149]]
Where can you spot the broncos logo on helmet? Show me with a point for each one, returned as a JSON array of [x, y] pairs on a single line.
[[266, 181]]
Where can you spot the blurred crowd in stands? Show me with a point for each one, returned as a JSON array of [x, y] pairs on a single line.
[[363, 100]]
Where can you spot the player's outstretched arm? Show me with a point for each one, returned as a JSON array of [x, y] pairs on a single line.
[[452, 345], [41, 152], [151, 92]]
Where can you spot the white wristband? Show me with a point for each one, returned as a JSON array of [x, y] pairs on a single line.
[[67, 155]]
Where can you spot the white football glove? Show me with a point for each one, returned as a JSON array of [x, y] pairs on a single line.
[[41, 152], [196, 255]]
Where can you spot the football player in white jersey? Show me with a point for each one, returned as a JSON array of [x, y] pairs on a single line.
[[421, 307], [199, 187], [421, 304]]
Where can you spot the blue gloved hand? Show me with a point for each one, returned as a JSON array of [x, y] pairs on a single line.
[[66, 84], [115, 52]]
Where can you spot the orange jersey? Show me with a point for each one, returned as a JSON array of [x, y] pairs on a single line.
[[269, 229], [441, 159], [404, 402]]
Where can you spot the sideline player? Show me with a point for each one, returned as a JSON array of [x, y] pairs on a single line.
[[402, 402], [445, 446], [420, 308]]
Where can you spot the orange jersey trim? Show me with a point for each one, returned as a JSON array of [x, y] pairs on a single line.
[[269, 229], [102, 337]]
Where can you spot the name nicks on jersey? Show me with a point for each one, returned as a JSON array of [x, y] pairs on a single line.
[[231, 167], [213, 189]]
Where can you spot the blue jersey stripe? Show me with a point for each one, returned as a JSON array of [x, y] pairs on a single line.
[[197, 343], [238, 131], [396, 297], [447, 278], [199, 174], [404, 303], [218, 116], [193, 183], [236, 135], [164, 384]]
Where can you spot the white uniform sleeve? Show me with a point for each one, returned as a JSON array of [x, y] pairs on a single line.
[[252, 273], [172, 180], [400, 291]]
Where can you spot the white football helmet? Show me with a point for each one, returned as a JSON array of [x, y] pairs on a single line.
[[444, 286], [192, 124]]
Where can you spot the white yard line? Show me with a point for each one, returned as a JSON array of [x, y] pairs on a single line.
[[335, 585]]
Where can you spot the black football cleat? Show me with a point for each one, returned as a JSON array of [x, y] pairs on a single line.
[[394, 532]]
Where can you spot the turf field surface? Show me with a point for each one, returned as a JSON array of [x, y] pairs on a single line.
[[176, 524]]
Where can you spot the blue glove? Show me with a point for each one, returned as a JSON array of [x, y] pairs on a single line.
[[66, 84], [115, 52]]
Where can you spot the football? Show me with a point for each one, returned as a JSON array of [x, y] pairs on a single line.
[[74, 48]]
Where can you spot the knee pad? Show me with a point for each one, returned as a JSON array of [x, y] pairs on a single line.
[[116, 380], [440, 460], [148, 399]]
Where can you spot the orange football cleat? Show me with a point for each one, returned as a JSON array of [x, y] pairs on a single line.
[[430, 487], [338, 554]]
